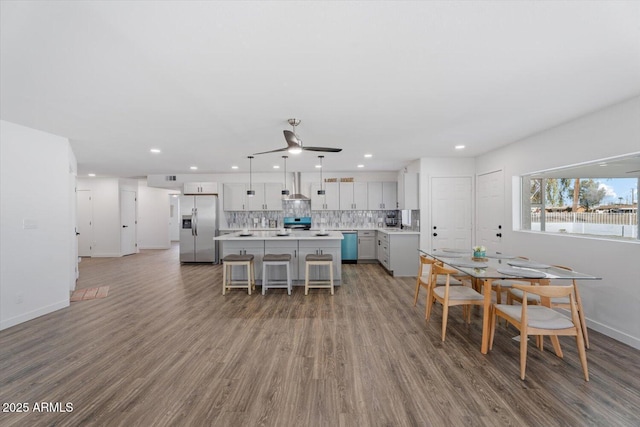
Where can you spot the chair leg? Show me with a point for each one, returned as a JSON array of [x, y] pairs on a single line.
[[498, 294], [445, 315], [583, 356], [249, 281], [523, 351], [415, 297], [288, 279], [492, 314], [556, 345], [264, 278], [429, 304]]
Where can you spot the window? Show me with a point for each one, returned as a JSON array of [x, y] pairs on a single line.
[[598, 200]]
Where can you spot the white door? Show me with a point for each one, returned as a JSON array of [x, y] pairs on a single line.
[[490, 213], [128, 221], [85, 222], [451, 213]]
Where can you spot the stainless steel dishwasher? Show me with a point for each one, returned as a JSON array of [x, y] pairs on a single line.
[[349, 247]]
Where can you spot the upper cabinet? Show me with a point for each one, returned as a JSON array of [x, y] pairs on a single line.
[[234, 197], [353, 196], [408, 191], [382, 195], [331, 199], [200, 188], [268, 197]]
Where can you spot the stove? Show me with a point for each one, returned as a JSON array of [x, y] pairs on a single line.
[[298, 223]]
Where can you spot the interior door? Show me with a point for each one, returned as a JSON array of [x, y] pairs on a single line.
[[128, 244], [490, 215], [84, 222], [451, 213]]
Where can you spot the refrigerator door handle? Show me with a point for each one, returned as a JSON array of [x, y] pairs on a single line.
[[193, 221], [195, 211]]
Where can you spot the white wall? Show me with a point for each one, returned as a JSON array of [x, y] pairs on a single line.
[[153, 217], [611, 305], [36, 203]]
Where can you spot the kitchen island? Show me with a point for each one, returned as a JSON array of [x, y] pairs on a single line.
[[298, 244]]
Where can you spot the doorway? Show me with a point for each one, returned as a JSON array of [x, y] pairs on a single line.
[[85, 222], [128, 233], [451, 222], [490, 212]]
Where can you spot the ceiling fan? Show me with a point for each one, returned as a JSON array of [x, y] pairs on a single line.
[[294, 144]]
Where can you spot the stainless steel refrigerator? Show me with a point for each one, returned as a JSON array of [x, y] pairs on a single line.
[[198, 227]]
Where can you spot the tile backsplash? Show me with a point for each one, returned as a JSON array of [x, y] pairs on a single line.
[[329, 219]]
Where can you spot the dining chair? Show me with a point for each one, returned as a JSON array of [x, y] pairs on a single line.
[[449, 296], [541, 320], [517, 295]]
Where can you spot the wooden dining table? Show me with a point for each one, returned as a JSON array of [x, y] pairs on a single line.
[[498, 266]]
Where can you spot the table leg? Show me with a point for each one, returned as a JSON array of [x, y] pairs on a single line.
[[486, 310]]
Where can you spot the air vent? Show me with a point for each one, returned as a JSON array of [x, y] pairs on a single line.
[[170, 178]]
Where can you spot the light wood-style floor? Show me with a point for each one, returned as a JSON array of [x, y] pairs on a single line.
[[166, 348]]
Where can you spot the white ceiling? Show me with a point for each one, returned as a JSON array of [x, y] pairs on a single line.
[[212, 82]]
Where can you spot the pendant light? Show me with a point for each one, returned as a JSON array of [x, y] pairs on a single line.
[[250, 192], [321, 191], [285, 192]]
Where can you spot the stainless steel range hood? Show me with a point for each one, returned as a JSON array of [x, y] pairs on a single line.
[[296, 194]]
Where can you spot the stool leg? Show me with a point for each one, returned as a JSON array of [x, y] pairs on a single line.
[[288, 278], [224, 278], [306, 278], [253, 274], [249, 278], [264, 277], [331, 276]]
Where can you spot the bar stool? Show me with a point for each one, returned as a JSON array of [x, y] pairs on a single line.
[[237, 260], [271, 260], [319, 260]]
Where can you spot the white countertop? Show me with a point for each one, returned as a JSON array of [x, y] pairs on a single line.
[[272, 234], [389, 230]]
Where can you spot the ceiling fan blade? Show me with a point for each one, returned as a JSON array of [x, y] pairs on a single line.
[[291, 138], [324, 149], [272, 151]]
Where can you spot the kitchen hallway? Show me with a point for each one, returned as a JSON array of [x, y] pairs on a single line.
[[166, 348]]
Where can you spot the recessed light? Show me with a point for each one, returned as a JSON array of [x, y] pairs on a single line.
[[603, 164], [234, 167], [193, 168], [92, 174], [276, 167], [459, 147], [155, 150], [318, 166], [368, 156], [360, 166]]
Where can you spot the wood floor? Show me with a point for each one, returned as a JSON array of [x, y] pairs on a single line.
[[166, 348]]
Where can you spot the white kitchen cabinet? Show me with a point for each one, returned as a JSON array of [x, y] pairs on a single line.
[[353, 196], [307, 247], [200, 188], [268, 197], [234, 197], [398, 252], [331, 199], [366, 245], [382, 195], [408, 191]]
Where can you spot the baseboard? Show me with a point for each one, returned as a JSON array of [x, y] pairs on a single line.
[[154, 247], [610, 332], [4, 324], [106, 255]]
